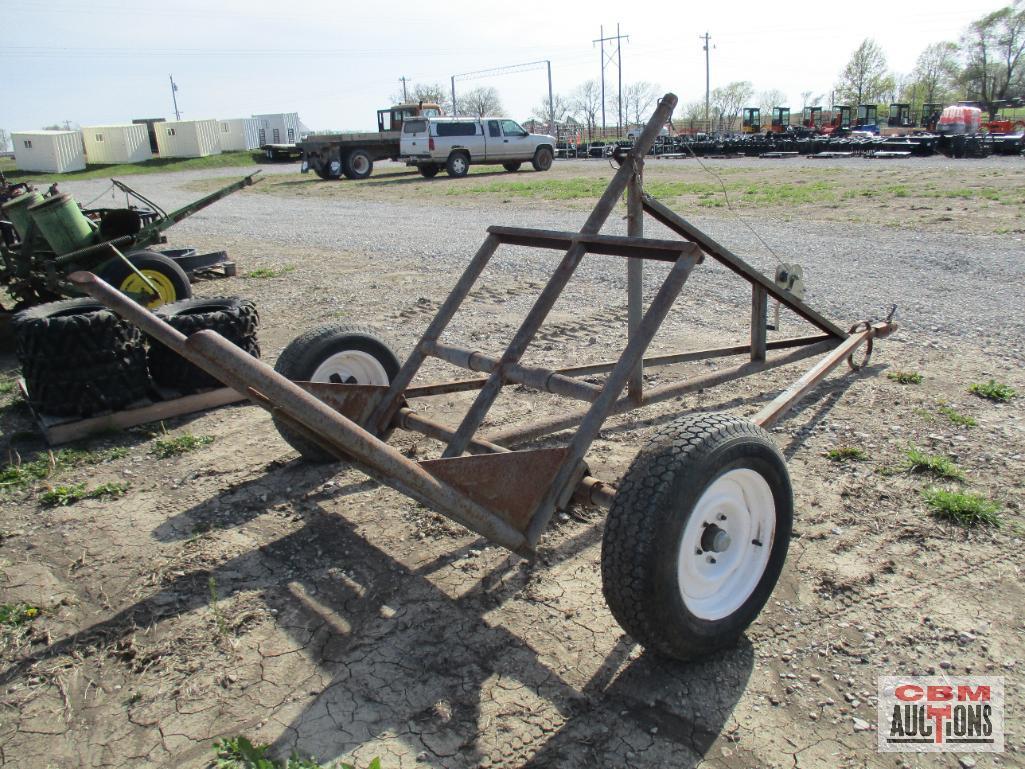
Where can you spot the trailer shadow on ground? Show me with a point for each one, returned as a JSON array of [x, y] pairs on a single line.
[[408, 664]]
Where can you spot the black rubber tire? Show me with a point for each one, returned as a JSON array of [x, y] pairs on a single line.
[[300, 360], [358, 165], [512, 167], [79, 358], [646, 522], [233, 318], [331, 169], [542, 159], [428, 170], [458, 165], [117, 273]]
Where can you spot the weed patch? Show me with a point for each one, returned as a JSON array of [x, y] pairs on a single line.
[[846, 454], [993, 391], [181, 444], [962, 508], [17, 614], [905, 377], [270, 272], [935, 465], [957, 418], [240, 753]]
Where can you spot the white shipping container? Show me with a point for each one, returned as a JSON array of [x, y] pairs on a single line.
[[125, 143], [187, 138], [278, 128], [238, 134], [49, 151]]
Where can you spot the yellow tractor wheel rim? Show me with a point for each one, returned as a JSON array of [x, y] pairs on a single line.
[[133, 284]]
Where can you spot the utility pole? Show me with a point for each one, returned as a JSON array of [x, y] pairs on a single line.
[[405, 97], [174, 98], [619, 71], [708, 80], [551, 101], [619, 66]]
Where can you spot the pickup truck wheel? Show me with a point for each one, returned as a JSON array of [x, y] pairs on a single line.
[[512, 167], [358, 164], [457, 165], [542, 159], [428, 171]]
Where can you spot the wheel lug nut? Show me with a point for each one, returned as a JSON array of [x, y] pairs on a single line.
[[710, 559]]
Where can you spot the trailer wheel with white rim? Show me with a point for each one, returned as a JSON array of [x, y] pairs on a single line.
[[339, 353], [697, 535]]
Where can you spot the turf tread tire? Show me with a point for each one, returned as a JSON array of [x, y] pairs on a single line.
[[79, 358], [234, 318]]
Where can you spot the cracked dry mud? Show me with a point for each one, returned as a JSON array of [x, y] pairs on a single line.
[[236, 590]]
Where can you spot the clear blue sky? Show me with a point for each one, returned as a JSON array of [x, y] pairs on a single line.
[[335, 63]]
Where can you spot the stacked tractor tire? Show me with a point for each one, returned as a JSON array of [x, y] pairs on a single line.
[[80, 359]]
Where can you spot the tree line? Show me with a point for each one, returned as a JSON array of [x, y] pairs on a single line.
[[985, 65]]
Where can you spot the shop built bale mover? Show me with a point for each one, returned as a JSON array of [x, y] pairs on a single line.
[[698, 527]]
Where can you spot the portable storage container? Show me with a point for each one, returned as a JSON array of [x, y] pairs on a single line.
[[49, 151], [125, 143], [187, 138], [238, 134], [279, 128]]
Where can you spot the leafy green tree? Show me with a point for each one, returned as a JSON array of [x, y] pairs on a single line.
[[993, 49], [865, 79], [728, 101]]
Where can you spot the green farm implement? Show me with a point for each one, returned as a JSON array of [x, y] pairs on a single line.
[[43, 239]]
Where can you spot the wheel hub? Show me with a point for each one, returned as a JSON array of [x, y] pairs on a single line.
[[726, 542]]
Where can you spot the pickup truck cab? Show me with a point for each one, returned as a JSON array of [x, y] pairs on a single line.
[[456, 143]]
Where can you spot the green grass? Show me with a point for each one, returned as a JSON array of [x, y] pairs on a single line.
[[905, 377], [962, 508], [846, 454], [181, 444], [270, 272], [935, 465], [23, 473], [240, 753], [15, 614], [957, 418], [241, 159], [62, 496], [993, 390], [7, 386]]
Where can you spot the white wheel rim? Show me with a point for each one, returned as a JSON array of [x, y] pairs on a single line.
[[360, 164], [335, 168], [459, 165], [351, 367], [718, 568]]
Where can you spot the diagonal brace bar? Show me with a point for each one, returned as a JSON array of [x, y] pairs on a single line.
[[600, 409], [528, 329]]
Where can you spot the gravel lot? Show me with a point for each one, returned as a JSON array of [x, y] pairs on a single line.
[[234, 589]]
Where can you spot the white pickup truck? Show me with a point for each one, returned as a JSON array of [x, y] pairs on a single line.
[[456, 143]]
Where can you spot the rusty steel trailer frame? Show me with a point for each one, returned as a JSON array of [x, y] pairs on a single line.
[[509, 496]]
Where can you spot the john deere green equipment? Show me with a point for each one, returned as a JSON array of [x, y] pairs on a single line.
[[44, 239]]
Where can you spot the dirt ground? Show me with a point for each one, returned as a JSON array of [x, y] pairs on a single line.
[[236, 590]]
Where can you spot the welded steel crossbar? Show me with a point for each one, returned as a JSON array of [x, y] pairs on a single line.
[[506, 495]]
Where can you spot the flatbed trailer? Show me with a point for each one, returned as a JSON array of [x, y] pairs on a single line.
[[352, 155]]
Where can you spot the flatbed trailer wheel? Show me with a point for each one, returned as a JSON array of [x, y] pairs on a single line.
[[697, 535], [358, 165], [428, 170], [339, 353]]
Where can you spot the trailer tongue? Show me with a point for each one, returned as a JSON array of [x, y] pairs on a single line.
[[697, 531]]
